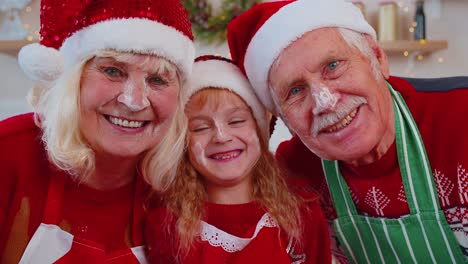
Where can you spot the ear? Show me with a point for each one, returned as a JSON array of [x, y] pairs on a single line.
[[380, 55]]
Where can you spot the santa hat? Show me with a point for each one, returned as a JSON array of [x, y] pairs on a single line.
[[73, 31], [218, 72], [258, 36]]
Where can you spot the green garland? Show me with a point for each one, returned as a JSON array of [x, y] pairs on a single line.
[[209, 28]]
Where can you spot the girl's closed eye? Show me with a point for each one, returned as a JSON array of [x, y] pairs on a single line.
[[236, 121], [198, 127]]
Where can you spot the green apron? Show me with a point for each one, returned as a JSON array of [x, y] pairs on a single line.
[[423, 236]]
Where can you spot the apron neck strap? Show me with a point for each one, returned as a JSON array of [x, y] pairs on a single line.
[[414, 166], [54, 199], [412, 158], [138, 216]]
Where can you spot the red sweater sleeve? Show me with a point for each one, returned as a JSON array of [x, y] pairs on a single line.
[[11, 146], [316, 237], [7, 186], [160, 237]]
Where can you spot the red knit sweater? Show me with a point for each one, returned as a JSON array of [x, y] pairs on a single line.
[[104, 217], [268, 246], [440, 117]]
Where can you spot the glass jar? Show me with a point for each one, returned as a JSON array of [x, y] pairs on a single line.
[[388, 11]]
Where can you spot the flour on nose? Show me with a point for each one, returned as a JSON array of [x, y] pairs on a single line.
[[128, 98], [324, 100]]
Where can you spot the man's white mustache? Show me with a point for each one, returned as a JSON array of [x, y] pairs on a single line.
[[342, 110]]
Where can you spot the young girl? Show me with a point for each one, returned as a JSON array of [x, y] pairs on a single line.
[[228, 202]]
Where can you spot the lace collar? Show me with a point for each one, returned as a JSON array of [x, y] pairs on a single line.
[[230, 243]]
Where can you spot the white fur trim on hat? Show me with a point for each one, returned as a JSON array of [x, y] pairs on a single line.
[[131, 35], [289, 24], [225, 75], [40, 63]]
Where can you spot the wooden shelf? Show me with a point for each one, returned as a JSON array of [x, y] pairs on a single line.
[[12, 47], [410, 46], [391, 47]]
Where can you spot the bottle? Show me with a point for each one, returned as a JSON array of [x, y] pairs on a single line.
[[387, 20], [420, 21]]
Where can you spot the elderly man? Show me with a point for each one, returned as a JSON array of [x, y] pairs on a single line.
[[377, 148]]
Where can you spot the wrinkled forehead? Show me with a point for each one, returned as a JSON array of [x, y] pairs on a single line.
[[305, 53]]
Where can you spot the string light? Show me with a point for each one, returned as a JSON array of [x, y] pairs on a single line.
[[405, 53], [420, 57], [440, 60]]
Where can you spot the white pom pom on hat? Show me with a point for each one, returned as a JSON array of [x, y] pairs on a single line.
[[40, 63]]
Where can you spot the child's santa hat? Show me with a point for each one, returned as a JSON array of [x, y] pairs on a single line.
[[75, 30], [258, 36], [218, 72]]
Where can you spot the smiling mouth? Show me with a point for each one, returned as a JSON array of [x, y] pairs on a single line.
[[125, 123], [341, 124], [225, 156]]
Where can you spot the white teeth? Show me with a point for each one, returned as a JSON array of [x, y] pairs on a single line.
[[226, 156], [344, 122], [125, 123]]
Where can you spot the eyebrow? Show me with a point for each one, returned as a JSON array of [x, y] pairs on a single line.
[[111, 60], [125, 64]]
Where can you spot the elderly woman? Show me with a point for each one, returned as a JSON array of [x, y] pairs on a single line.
[[107, 81]]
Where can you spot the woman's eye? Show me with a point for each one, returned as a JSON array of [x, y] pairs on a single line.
[[333, 65], [157, 80], [113, 72]]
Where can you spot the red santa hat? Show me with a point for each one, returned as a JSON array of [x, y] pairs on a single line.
[[257, 37], [75, 30], [218, 72]]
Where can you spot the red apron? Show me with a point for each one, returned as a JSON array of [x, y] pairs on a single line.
[[51, 244]]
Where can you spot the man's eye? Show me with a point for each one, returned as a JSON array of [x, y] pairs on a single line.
[[295, 90], [157, 80], [113, 72], [333, 65]]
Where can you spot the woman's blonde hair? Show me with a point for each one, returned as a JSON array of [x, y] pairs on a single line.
[[186, 197], [57, 112]]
